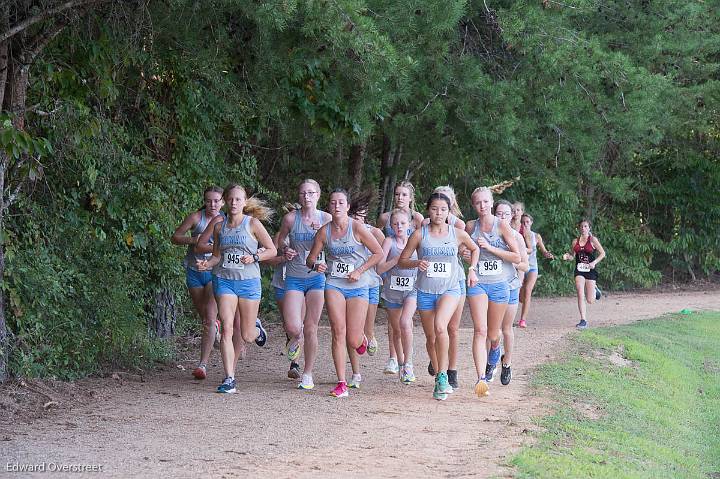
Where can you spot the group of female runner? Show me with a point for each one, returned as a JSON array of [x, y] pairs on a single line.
[[335, 260]]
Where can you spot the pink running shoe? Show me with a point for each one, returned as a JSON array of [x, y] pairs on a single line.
[[522, 324], [340, 391], [363, 347], [200, 372]]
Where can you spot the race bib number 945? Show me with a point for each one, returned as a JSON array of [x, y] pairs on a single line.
[[402, 283], [341, 270], [231, 260], [490, 268], [583, 267], [438, 269]]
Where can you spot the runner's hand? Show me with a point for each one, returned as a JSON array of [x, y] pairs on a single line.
[[290, 254], [472, 278]]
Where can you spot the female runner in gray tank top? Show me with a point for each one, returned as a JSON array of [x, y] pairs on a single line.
[[235, 264], [199, 283], [438, 293], [346, 243], [304, 290], [403, 199], [489, 299], [400, 293]]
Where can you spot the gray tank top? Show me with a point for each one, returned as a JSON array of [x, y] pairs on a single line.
[[399, 283], [234, 243], [491, 269], [532, 257], [442, 275], [515, 282], [301, 239], [191, 257], [344, 255]]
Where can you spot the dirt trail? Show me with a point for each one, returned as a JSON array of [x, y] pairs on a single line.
[[171, 425]]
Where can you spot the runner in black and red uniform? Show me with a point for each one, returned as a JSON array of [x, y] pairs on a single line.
[[588, 252]]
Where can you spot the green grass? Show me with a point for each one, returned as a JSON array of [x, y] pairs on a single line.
[[656, 417]]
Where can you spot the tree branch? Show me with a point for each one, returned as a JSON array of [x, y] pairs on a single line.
[[41, 40], [28, 22]]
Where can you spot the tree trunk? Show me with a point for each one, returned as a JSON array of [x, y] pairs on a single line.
[[4, 346], [3, 69], [163, 324], [385, 167], [357, 161]]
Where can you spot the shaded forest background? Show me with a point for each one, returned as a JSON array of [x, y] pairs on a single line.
[[116, 114]]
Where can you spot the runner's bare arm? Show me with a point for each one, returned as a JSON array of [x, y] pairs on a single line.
[[386, 264], [203, 244], [180, 235], [524, 264], [204, 265], [285, 227], [601, 251], [412, 245], [541, 247], [264, 239]]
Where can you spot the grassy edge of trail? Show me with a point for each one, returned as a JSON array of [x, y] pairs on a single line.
[[635, 401]]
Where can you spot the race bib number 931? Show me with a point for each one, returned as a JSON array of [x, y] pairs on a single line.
[[438, 269]]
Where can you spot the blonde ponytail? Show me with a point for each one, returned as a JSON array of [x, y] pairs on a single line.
[[259, 209]]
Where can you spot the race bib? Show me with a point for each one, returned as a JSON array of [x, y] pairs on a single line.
[[438, 269], [490, 268], [402, 283], [231, 260], [583, 267], [341, 270], [320, 258]]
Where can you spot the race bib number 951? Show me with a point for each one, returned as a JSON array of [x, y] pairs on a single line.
[[438, 269], [341, 270]]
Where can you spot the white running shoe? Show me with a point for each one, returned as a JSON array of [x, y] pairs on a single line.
[[355, 381], [391, 366], [307, 382], [372, 347]]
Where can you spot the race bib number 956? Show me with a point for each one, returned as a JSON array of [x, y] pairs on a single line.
[[490, 268]]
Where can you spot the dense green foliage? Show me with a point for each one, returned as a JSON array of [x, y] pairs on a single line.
[[603, 111], [655, 417]]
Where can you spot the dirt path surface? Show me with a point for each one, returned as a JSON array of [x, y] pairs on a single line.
[[170, 425]]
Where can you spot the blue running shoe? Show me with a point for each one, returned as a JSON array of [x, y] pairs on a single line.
[[228, 386], [262, 334], [442, 384], [494, 355], [582, 324]]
